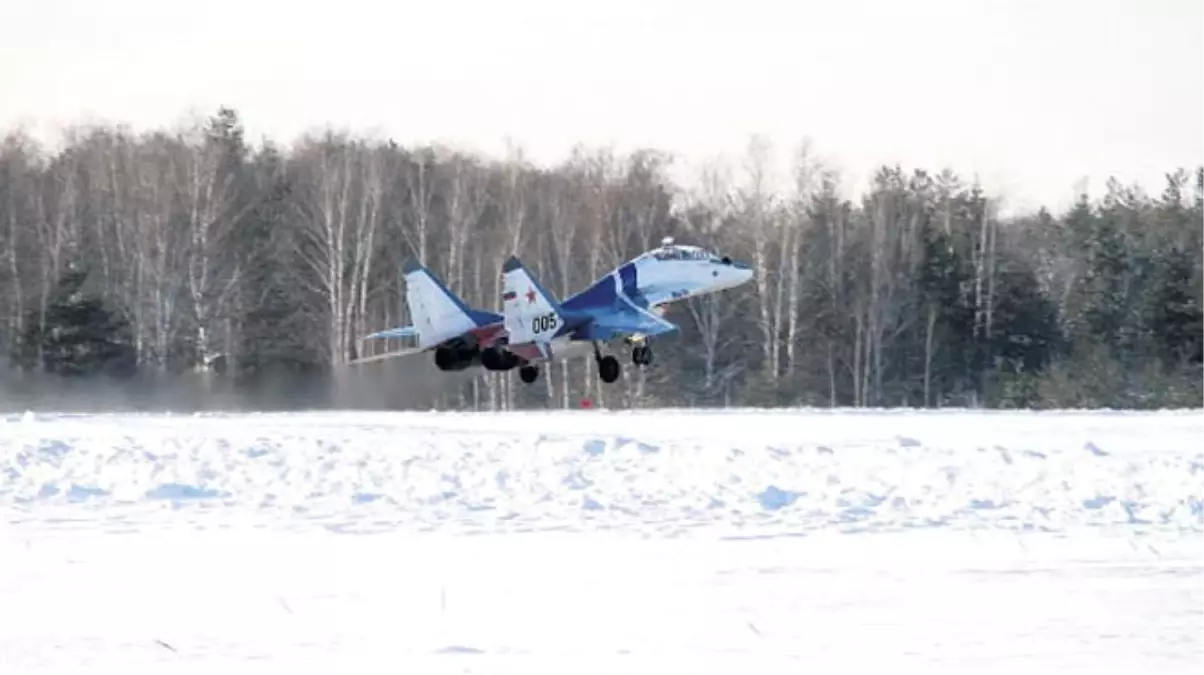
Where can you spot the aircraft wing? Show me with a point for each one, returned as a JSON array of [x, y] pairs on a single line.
[[622, 320]]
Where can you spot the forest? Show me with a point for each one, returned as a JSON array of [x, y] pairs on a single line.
[[151, 265]]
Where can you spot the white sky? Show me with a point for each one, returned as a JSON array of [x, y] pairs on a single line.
[[1032, 95]]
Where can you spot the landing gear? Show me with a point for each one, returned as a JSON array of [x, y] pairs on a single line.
[[641, 351], [641, 355], [608, 366], [528, 374], [608, 369]]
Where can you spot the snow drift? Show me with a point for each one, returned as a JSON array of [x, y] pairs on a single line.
[[744, 473]]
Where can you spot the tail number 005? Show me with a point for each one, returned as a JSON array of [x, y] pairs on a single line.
[[543, 323]]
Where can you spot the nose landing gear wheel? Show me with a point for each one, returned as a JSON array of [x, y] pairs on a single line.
[[642, 355]]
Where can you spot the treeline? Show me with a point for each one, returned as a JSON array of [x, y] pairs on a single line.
[[130, 254]]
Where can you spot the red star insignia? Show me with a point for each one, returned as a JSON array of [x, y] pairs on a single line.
[[530, 295]]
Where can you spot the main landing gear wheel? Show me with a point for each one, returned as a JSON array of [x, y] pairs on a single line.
[[641, 355], [528, 374], [608, 369], [608, 366]]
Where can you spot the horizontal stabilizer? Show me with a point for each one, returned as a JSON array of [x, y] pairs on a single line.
[[404, 332], [385, 356]]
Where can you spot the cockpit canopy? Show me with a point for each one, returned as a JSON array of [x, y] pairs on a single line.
[[684, 253], [670, 251]]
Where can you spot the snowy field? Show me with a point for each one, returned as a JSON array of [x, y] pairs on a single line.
[[593, 542]]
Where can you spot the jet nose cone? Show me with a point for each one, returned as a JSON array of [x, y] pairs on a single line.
[[732, 274], [743, 272]]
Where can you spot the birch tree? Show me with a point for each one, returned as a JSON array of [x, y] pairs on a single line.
[[338, 217], [18, 171], [208, 175], [756, 206]]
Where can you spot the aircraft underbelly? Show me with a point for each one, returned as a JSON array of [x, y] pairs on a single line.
[[565, 348]]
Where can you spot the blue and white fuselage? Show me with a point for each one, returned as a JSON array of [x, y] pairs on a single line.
[[662, 276], [622, 304]]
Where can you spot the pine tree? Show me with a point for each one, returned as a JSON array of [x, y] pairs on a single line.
[[1176, 321], [949, 317], [81, 336], [274, 324], [1024, 335], [1105, 283]]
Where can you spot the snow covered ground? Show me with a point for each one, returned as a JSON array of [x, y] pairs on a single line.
[[650, 542]]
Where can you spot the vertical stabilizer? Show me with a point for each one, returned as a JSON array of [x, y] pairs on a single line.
[[437, 313], [531, 313]]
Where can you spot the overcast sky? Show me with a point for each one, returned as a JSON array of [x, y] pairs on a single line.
[[1032, 95]]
